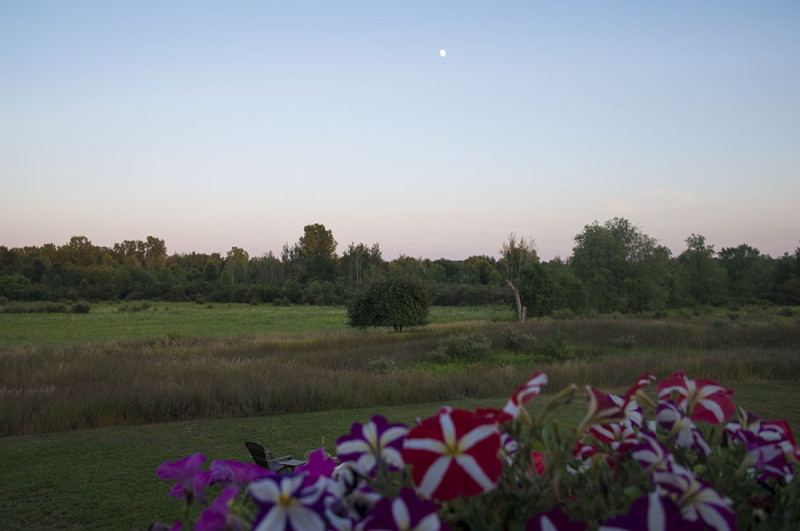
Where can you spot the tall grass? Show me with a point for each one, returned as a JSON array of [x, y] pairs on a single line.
[[47, 389]]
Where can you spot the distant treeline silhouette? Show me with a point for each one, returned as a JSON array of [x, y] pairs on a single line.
[[614, 268]]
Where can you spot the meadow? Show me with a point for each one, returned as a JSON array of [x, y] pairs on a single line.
[[84, 424]]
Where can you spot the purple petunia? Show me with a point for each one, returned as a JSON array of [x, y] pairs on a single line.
[[234, 473], [407, 512], [373, 442], [287, 505], [682, 430], [216, 517], [698, 501], [191, 481], [553, 520], [651, 513]]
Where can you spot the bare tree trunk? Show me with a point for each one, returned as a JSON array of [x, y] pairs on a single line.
[[522, 311]]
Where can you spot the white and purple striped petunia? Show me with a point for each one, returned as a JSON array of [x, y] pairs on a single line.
[[374, 441], [681, 428], [285, 504], [407, 512], [697, 500]]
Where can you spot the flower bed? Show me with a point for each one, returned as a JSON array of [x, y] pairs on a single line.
[[689, 460]]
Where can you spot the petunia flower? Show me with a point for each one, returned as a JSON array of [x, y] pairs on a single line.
[[525, 392], [553, 520], [217, 516], [652, 454], [651, 513], [370, 443], [701, 399], [186, 471], [698, 501], [234, 473], [630, 407], [318, 465], [454, 453], [407, 512], [631, 410], [601, 410], [287, 505], [682, 430], [618, 436]]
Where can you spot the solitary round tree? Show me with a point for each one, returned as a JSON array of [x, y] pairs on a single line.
[[395, 300]]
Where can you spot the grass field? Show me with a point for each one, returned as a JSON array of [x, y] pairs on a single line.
[[109, 322], [87, 402], [105, 478]]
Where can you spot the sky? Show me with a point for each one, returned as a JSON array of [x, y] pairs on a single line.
[[218, 124]]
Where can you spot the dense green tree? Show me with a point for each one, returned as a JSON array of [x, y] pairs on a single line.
[[745, 267], [701, 280], [313, 257], [361, 261], [236, 263], [619, 266], [155, 253], [395, 299]]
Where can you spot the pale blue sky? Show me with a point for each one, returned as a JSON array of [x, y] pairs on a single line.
[[217, 124]]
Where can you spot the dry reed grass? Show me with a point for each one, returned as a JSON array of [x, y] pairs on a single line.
[[50, 389]]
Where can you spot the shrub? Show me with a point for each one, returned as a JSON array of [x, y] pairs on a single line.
[[80, 307], [513, 340], [141, 307], [563, 313], [558, 346], [470, 347], [625, 342], [381, 365]]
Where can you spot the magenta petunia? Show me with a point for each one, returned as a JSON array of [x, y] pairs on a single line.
[[234, 473], [191, 481], [454, 453], [217, 516]]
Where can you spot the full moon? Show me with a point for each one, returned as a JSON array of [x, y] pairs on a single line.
[[442, 52]]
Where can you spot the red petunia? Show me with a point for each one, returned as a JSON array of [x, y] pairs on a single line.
[[700, 399], [454, 453]]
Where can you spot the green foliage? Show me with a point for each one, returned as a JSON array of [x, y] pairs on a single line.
[[382, 365], [465, 346], [557, 347], [513, 340], [395, 300]]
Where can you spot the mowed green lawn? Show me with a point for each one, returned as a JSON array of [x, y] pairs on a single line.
[[177, 320], [105, 478]]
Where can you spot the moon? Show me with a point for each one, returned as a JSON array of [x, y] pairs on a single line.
[[442, 52]]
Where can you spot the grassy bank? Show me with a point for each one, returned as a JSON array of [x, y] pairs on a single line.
[[105, 478]]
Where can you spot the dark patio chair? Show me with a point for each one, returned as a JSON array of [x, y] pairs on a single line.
[[263, 457]]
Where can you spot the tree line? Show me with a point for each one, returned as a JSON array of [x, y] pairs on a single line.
[[614, 267]]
